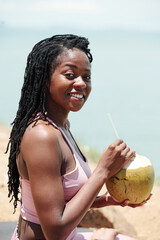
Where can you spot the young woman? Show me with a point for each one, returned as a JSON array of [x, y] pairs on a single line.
[[45, 162]]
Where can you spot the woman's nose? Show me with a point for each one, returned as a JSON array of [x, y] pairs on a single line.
[[79, 82]]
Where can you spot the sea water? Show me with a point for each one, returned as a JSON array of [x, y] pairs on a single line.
[[125, 83]]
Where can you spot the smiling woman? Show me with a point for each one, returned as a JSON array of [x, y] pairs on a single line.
[[57, 187]]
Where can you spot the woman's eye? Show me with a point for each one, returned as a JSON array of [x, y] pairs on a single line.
[[87, 78], [69, 75]]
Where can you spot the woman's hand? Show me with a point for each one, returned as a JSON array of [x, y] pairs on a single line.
[[107, 200], [104, 201], [126, 203], [114, 158]]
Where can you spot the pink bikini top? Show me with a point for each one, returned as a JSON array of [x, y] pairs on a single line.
[[71, 181]]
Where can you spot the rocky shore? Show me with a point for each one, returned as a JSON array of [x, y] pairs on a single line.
[[143, 223]]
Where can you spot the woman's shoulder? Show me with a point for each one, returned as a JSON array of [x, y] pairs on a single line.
[[40, 141], [42, 131]]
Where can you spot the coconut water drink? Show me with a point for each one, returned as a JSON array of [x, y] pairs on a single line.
[[134, 182]]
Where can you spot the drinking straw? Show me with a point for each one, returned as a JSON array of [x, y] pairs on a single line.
[[113, 126]]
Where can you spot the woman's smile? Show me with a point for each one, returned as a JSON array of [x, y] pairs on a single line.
[[79, 96]]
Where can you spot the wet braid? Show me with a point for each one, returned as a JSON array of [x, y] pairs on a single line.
[[41, 63]]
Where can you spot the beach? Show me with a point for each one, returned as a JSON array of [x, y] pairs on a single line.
[[144, 220]]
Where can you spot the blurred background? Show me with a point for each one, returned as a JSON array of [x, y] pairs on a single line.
[[125, 42]]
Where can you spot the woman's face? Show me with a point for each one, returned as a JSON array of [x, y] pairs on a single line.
[[70, 83]]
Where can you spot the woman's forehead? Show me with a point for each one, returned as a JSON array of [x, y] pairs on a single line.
[[73, 55]]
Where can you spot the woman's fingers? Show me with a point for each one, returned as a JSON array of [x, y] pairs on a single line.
[[126, 203], [115, 157], [122, 148], [149, 196], [117, 142], [125, 152]]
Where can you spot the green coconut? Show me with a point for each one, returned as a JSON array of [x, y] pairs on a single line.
[[134, 182]]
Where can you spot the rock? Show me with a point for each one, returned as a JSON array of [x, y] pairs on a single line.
[[108, 217], [95, 219]]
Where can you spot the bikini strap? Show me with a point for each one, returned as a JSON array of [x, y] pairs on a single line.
[[62, 132], [84, 158]]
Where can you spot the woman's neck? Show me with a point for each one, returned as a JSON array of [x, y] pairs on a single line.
[[60, 119]]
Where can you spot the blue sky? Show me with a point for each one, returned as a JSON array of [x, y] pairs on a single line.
[[93, 14]]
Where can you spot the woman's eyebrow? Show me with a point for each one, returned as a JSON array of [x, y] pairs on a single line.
[[71, 65], [74, 66]]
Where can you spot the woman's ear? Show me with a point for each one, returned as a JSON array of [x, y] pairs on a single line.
[[47, 84]]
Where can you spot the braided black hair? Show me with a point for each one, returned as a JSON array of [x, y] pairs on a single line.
[[38, 70]]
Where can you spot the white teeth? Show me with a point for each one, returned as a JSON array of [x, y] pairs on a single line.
[[77, 96]]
